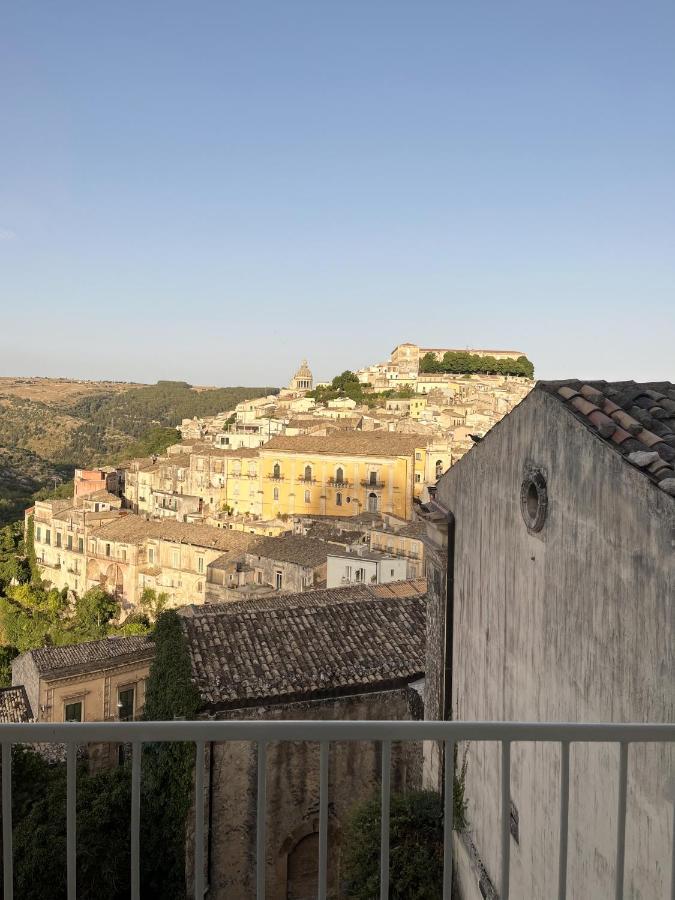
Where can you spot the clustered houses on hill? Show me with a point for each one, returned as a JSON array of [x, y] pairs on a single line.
[[445, 408], [126, 553], [548, 597]]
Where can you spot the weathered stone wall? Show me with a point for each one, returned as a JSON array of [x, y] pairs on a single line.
[[294, 577], [293, 793], [573, 623], [436, 566]]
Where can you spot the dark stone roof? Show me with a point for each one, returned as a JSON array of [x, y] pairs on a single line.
[[304, 551], [636, 420], [91, 654], [350, 443], [14, 705], [305, 646]]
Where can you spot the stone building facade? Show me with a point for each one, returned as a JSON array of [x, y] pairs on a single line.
[[558, 607], [312, 638]]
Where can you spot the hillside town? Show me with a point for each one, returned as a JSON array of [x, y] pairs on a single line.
[[321, 552], [407, 610], [283, 493]]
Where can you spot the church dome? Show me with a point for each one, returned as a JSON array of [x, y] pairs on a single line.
[[303, 380]]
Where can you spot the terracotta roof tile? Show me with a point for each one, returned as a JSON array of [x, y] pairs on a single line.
[[306, 645], [635, 419], [90, 654], [15, 705]]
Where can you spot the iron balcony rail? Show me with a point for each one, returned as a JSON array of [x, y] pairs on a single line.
[[261, 733]]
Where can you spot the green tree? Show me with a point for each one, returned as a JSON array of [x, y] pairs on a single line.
[[152, 603], [94, 611], [7, 654], [39, 815], [167, 768], [415, 848]]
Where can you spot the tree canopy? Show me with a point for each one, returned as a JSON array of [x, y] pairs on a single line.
[[460, 362]]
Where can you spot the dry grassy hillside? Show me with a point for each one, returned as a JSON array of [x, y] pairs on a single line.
[[48, 426]]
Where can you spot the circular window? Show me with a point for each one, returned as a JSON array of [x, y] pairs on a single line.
[[534, 501]]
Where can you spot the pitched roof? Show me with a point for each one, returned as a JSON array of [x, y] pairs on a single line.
[[304, 551], [104, 495], [15, 705], [134, 529], [636, 420], [304, 646], [90, 654], [350, 443]]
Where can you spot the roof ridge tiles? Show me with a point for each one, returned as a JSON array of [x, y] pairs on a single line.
[[634, 419]]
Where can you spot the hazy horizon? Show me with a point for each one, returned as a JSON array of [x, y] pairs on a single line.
[[211, 194]]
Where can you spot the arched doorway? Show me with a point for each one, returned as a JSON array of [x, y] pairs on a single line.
[[302, 867], [372, 503]]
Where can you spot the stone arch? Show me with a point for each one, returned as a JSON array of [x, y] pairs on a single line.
[[114, 579], [298, 861], [93, 571]]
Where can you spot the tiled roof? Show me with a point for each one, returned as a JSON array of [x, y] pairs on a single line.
[[304, 551], [104, 495], [351, 443], [250, 652], [90, 654], [14, 705], [637, 420], [225, 452], [134, 529]]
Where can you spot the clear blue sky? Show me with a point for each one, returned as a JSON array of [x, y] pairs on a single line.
[[209, 191]]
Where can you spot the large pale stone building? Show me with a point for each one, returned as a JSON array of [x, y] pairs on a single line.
[[367, 668], [406, 357], [559, 607]]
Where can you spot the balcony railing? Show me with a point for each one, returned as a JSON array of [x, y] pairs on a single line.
[[373, 485], [261, 733]]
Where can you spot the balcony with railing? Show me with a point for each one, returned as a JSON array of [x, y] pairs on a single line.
[[325, 734], [373, 484]]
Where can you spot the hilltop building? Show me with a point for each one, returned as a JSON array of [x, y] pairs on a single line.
[[406, 357]]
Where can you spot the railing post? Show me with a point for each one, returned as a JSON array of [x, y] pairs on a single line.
[[135, 820], [71, 820], [261, 824], [323, 820], [621, 821], [7, 853], [384, 824], [564, 817], [506, 820], [448, 818], [199, 820]]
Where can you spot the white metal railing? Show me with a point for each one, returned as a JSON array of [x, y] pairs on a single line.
[[323, 732]]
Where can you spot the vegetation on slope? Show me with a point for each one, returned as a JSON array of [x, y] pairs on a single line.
[[348, 385], [45, 439], [166, 403]]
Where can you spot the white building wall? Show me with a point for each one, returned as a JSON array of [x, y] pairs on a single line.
[[573, 623]]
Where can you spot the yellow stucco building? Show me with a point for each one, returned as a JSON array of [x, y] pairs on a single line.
[[341, 474]]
